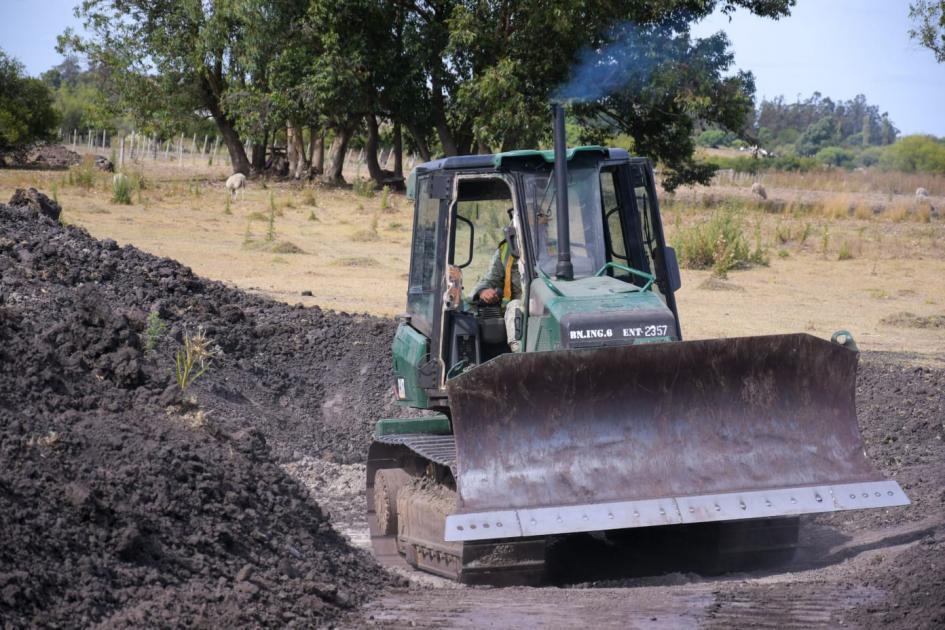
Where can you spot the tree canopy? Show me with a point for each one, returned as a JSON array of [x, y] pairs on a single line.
[[928, 19], [26, 108], [443, 78]]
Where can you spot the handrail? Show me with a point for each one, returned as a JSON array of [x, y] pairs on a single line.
[[548, 282], [650, 278]]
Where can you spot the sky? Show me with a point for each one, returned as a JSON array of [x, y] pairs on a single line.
[[839, 48]]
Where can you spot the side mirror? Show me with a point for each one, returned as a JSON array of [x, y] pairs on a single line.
[[672, 269]]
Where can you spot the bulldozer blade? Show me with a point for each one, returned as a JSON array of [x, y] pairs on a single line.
[[659, 434]]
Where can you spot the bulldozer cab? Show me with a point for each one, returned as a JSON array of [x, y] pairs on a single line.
[[488, 221]]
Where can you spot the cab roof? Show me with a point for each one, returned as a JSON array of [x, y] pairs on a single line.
[[497, 160]]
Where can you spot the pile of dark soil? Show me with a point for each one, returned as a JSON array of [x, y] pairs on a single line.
[[50, 157], [122, 503]]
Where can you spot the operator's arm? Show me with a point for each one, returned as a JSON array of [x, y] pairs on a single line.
[[493, 278]]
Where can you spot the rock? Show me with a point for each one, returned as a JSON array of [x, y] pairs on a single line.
[[102, 163], [36, 201]]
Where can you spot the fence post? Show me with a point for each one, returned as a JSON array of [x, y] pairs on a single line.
[[121, 153], [180, 150]]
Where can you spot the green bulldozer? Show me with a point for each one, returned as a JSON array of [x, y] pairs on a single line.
[[581, 409]]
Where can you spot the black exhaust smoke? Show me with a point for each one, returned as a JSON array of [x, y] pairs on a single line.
[[564, 269]]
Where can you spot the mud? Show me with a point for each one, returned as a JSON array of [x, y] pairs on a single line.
[[862, 569], [124, 502], [45, 157]]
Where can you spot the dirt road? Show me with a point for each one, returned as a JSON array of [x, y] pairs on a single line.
[[883, 568]]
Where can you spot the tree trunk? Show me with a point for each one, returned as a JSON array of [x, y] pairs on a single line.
[[439, 119], [418, 139], [295, 151], [210, 84], [336, 156], [316, 150], [370, 151], [291, 152], [398, 152], [230, 138], [259, 153]]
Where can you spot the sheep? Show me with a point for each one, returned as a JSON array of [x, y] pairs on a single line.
[[759, 190], [922, 200], [236, 183]]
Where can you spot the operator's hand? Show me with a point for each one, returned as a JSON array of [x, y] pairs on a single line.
[[489, 296]]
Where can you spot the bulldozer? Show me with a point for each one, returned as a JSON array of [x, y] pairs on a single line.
[[580, 409]]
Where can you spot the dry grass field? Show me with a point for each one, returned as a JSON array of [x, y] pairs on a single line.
[[833, 262]]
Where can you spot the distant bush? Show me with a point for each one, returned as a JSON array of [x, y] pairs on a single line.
[[836, 156], [718, 244], [915, 154], [714, 138]]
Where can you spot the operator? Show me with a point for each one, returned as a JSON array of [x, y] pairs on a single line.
[[502, 283]]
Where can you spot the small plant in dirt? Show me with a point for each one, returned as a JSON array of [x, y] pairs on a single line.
[[154, 331], [311, 216], [808, 229], [271, 222], [121, 189], [783, 253], [385, 198], [248, 234], [226, 206], [369, 234], [193, 358], [54, 189], [364, 188], [825, 241], [310, 199], [844, 253]]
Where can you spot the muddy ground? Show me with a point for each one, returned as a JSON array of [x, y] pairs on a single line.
[[126, 502]]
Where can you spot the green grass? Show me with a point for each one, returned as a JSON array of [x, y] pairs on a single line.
[[121, 189], [719, 244]]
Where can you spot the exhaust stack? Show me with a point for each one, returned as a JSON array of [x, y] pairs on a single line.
[[564, 269]]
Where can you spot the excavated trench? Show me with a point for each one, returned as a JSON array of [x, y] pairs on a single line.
[[124, 502]]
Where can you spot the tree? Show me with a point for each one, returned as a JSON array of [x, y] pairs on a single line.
[[928, 19], [26, 108], [822, 133], [175, 58], [667, 82], [915, 153]]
